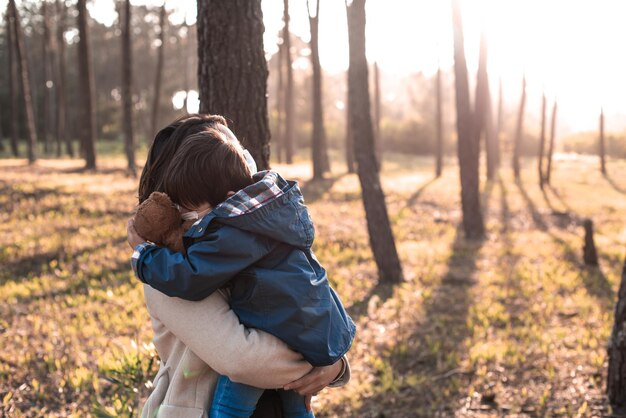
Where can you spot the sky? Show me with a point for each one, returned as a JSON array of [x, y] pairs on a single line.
[[570, 49]]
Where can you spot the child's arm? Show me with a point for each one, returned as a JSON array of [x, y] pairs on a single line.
[[208, 265]]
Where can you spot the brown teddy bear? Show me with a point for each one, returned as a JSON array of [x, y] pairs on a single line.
[[158, 220]]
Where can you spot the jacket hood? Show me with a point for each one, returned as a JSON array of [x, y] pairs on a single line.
[[272, 206]]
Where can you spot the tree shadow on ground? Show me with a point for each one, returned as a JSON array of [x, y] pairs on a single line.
[[614, 185], [416, 195], [425, 376], [314, 189]]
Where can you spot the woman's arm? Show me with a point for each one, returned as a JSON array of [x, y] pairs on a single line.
[[213, 332]]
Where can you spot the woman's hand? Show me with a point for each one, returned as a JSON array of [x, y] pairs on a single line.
[[315, 380], [133, 237]]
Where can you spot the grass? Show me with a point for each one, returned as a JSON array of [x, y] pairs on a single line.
[[512, 325]]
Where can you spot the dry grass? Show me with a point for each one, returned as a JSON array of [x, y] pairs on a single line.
[[513, 325]]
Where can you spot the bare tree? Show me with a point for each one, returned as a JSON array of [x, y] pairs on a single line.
[[519, 131], [87, 86], [482, 112], [24, 80], [467, 143], [542, 141], [601, 145], [47, 71], [158, 79], [232, 70], [551, 144], [439, 125], [616, 381], [13, 117], [321, 163], [61, 107], [289, 92], [379, 228], [127, 90]]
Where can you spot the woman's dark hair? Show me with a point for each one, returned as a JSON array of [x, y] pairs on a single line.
[[165, 145], [205, 168]]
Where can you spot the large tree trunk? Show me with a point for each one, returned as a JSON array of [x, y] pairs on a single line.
[[127, 90], [158, 80], [439, 125], [616, 382], [87, 86], [278, 135], [519, 131], [467, 143], [47, 71], [289, 93], [61, 108], [27, 102], [13, 114], [381, 236], [232, 70], [551, 144], [318, 140], [542, 141], [601, 145]]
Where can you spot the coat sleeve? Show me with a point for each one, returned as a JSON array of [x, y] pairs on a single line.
[[213, 332], [208, 265]]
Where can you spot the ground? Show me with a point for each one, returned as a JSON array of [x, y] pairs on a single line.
[[513, 325]]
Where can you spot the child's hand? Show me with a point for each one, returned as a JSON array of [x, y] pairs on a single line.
[[133, 237], [316, 380]]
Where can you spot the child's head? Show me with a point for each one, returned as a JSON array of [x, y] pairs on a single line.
[[206, 166]]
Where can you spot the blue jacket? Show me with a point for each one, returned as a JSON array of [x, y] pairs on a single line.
[[259, 243]]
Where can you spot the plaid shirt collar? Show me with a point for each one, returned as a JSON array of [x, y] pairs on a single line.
[[266, 189]]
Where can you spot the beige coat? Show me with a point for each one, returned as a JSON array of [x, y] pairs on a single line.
[[196, 342]]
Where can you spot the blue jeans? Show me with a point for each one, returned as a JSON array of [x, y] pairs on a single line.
[[236, 400]]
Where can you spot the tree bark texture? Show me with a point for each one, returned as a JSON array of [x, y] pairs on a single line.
[[542, 141], [232, 70], [467, 143], [321, 163], [158, 79], [61, 108], [439, 126], [87, 86], [13, 114], [24, 80], [380, 233], [519, 131], [602, 145], [289, 93], [127, 90], [551, 144], [616, 382]]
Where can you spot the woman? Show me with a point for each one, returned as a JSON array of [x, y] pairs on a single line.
[[197, 341]]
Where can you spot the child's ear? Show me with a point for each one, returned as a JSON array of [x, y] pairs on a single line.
[[230, 193]]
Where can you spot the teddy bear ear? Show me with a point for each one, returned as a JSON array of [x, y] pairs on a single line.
[[161, 198]]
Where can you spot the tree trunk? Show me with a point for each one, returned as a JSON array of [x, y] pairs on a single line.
[[187, 53], [439, 124], [61, 113], [467, 143], [378, 146], [318, 141], [379, 228], [87, 86], [350, 163], [27, 103], [483, 115], [602, 144], [127, 90], [289, 93], [497, 156], [47, 71], [616, 382], [278, 135], [542, 141], [551, 144], [232, 70], [519, 131], [590, 255], [13, 114], [159, 75]]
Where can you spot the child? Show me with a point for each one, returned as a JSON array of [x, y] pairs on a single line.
[[254, 234]]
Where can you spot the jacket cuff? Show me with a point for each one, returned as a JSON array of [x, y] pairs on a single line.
[[344, 376], [134, 259]]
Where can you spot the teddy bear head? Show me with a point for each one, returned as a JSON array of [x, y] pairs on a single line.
[[158, 220]]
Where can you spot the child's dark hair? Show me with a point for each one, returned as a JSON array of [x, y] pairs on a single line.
[[165, 145], [205, 168]]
